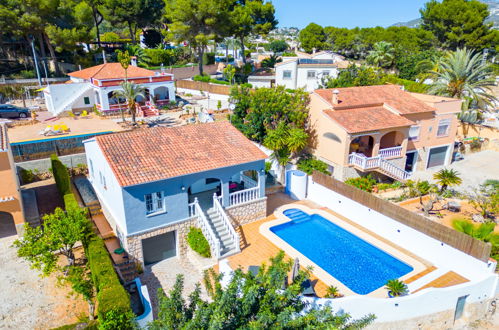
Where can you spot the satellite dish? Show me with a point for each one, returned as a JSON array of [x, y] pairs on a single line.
[[232, 106]]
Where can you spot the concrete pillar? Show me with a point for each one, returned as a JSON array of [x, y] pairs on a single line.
[[404, 146], [261, 182], [377, 140], [171, 92], [225, 193], [104, 100]]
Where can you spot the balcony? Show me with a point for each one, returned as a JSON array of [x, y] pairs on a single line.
[[378, 163], [393, 152]]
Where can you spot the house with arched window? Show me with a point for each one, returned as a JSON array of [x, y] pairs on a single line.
[[382, 129], [94, 87]]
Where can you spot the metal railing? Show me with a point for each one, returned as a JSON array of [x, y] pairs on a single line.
[[205, 226], [226, 222], [244, 196], [390, 152]]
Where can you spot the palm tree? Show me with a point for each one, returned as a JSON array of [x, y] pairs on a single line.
[[483, 232], [382, 54], [271, 61], [142, 57], [130, 91], [446, 178], [462, 74]]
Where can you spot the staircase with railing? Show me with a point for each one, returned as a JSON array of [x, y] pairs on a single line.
[[380, 164], [206, 227], [73, 96]]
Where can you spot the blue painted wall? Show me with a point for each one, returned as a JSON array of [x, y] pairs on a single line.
[[176, 199]]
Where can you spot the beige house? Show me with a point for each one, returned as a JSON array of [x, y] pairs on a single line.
[[382, 129], [11, 208]]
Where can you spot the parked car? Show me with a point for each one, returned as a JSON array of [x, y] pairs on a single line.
[[12, 111]]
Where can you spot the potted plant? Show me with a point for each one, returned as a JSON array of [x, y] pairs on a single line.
[[333, 292], [396, 288]]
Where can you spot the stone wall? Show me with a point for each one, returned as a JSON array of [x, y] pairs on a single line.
[[134, 242], [43, 165], [247, 212]]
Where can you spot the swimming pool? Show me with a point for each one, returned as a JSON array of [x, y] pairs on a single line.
[[359, 265]]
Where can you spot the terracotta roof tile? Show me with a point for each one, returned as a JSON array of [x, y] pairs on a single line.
[[160, 153], [357, 120], [390, 95], [111, 71]]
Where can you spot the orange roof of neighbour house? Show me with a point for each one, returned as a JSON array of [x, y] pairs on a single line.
[[111, 71], [357, 120], [160, 153], [388, 95]]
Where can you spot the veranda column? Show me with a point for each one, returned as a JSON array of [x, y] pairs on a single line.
[[225, 194], [261, 182]]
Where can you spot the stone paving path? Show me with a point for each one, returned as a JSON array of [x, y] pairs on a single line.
[[163, 275]]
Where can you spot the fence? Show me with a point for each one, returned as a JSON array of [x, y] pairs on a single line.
[[203, 86], [189, 72], [449, 236], [4, 81], [39, 149]]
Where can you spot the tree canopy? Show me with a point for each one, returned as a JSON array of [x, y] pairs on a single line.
[[249, 302], [459, 23], [313, 37]]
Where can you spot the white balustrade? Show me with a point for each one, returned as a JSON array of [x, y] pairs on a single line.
[[192, 209], [244, 196], [390, 152], [205, 226], [367, 163], [226, 222]]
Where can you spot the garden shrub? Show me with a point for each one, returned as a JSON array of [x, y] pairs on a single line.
[[198, 242], [27, 176], [112, 297], [208, 58], [208, 79], [159, 56], [383, 186], [61, 175], [310, 164], [365, 183], [289, 54]]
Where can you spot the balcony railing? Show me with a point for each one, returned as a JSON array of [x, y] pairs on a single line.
[[390, 152], [369, 163], [244, 196]]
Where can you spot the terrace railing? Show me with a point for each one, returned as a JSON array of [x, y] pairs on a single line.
[[205, 226], [244, 196], [369, 163], [390, 152], [226, 222]]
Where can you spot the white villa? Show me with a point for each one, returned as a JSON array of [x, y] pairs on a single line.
[[95, 86]]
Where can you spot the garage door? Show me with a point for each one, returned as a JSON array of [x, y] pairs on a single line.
[[159, 247], [437, 156]]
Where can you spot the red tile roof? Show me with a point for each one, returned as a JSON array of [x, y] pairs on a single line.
[[160, 153], [111, 71], [357, 120], [390, 95]]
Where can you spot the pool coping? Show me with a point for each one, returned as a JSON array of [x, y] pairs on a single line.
[[396, 252]]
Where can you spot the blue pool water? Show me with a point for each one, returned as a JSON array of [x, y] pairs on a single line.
[[359, 265]]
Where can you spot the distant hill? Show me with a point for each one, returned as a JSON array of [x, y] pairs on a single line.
[[493, 8]]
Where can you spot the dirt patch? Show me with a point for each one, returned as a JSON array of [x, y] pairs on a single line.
[[30, 302], [47, 196]]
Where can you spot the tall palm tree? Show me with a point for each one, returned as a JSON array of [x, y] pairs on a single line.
[[446, 178], [130, 91], [382, 55], [142, 57], [463, 74]]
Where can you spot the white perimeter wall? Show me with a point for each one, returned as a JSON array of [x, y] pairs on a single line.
[[482, 285], [213, 96]]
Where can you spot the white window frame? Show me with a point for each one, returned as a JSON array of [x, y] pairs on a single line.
[[309, 72], [157, 201], [102, 180], [443, 123], [414, 137], [326, 73], [284, 74]]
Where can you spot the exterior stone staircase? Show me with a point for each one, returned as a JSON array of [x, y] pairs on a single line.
[[227, 244], [380, 164]]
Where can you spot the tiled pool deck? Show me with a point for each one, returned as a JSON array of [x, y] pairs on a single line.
[[257, 249]]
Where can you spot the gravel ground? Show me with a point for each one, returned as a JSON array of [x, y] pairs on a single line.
[[28, 301]]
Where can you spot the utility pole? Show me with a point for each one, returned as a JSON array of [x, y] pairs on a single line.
[[36, 62]]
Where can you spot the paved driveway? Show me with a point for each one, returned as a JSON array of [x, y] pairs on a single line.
[[474, 169]]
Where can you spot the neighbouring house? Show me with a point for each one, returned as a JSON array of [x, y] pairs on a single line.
[[11, 205], [95, 87], [307, 70], [154, 184], [262, 79], [382, 129]]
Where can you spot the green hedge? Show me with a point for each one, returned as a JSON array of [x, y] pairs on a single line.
[[198, 242], [111, 295], [159, 56], [208, 58], [208, 79], [61, 175]]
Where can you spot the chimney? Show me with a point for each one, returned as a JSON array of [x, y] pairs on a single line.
[[133, 60], [313, 50], [334, 99]]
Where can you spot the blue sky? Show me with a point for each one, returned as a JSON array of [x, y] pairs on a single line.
[[346, 13]]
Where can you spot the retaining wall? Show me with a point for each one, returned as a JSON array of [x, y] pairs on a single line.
[[43, 165]]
